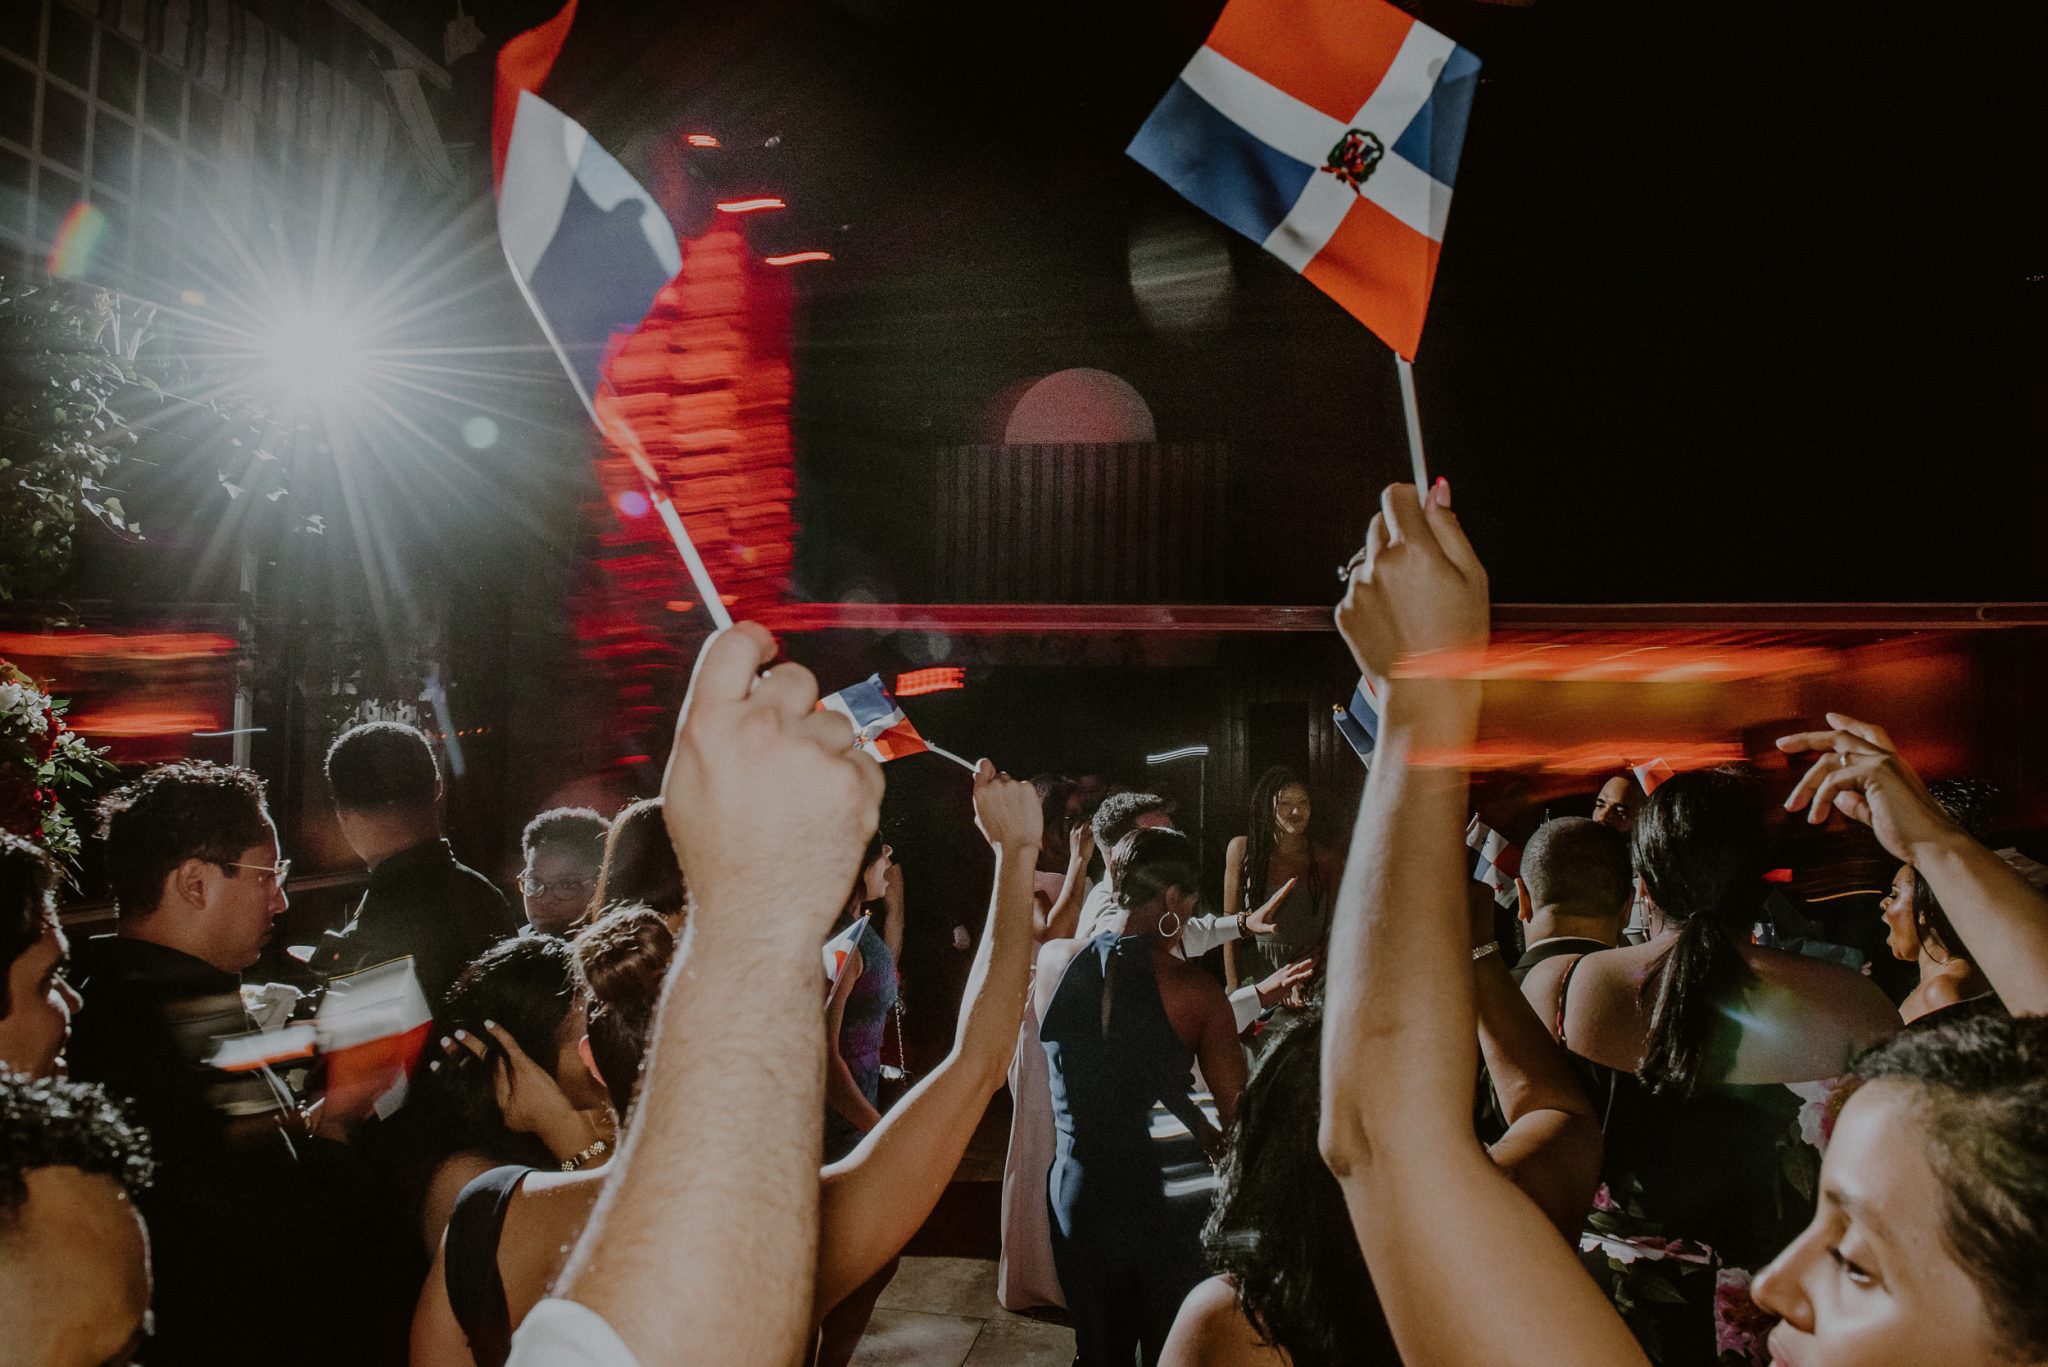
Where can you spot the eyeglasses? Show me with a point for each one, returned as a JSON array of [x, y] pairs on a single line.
[[566, 887], [278, 872]]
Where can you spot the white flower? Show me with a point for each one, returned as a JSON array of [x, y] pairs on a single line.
[[11, 695]]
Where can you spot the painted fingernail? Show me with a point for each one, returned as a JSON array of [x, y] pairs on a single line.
[[462, 1034], [446, 1042], [490, 1025], [1442, 492]]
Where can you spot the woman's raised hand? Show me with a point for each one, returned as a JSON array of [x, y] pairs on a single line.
[[1264, 921], [1007, 809], [1860, 774], [765, 797], [1416, 590]]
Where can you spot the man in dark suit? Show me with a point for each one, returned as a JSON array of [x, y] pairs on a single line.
[[421, 901], [1573, 890]]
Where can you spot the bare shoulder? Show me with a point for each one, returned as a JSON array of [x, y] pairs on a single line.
[[1838, 990], [1542, 983], [1212, 1331], [1234, 850]]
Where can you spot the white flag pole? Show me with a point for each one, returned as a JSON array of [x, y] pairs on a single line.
[[941, 750], [1413, 412]]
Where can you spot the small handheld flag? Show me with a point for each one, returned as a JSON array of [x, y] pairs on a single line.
[[840, 948], [1494, 861], [1329, 132], [879, 726], [589, 247], [1359, 723], [1651, 776]]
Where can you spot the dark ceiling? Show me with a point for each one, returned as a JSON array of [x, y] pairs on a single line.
[[1739, 301]]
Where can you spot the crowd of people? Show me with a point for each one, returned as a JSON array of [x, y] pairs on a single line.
[[649, 1124]]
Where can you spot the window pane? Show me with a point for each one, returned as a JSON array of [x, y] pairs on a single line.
[[120, 72], [63, 127], [159, 173], [13, 189], [17, 103], [164, 98], [113, 152], [202, 127], [71, 46], [21, 24], [55, 195]]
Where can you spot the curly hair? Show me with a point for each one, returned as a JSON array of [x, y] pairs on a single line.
[[576, 828], [26, 879], [525, 987], [380, 764], [1982, 1090], [193, 809], [1119, 813], [622, 960], [58, 1123], [1280, 1230]]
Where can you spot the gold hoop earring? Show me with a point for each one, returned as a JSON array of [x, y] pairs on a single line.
[[1164, 933]]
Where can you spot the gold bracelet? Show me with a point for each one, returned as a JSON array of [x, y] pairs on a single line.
[[596, 1149]]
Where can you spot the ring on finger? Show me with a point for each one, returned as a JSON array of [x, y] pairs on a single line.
[[1842, 758]]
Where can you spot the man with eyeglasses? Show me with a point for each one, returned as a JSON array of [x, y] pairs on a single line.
[[198, 881], [564, 848]]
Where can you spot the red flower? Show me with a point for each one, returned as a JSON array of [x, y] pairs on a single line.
[[21, 803]]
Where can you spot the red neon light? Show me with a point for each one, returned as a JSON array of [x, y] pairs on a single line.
[[701, 140], [93, 645], [794, 257], [940, 680], [748, 206]]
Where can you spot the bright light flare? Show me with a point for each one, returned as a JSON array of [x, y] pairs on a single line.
[[701, 140], [750, 206], [797, 258], [314, 352]]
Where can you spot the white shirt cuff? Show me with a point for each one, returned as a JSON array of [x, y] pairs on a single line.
[[563, 1333], [1244, 1004]]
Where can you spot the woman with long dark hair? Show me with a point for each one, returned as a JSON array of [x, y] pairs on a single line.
[[1124, 1018], [1292, 1289], [640, 867], [1697, 1039], [1276, 852]]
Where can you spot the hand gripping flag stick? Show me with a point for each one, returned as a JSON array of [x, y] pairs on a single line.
[[1413, 413]]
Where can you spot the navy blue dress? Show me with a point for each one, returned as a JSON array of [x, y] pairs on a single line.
[[1126, 1253]]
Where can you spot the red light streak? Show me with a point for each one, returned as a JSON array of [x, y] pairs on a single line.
[[795, 257], [939, 680], [101, 645], [748, 206], [701, 140]]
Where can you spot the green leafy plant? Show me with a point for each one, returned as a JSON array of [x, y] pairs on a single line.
[[65, 354]]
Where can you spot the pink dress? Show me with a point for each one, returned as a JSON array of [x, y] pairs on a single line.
[[1024, 1275]]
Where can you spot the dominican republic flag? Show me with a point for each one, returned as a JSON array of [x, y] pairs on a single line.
[[1359, 723], [1652, 775], [589, 245], [1327, 131], [1494, 861], [840, 948], [878, 723]]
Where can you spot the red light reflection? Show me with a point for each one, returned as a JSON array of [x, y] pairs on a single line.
[[940, 680]]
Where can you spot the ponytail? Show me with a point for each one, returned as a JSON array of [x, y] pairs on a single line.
[[1700, 848], [1700, 972]]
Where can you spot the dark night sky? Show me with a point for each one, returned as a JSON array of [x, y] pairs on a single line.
[[1740, 301]]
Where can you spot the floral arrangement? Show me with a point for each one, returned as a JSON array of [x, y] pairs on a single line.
[[41, 761]]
